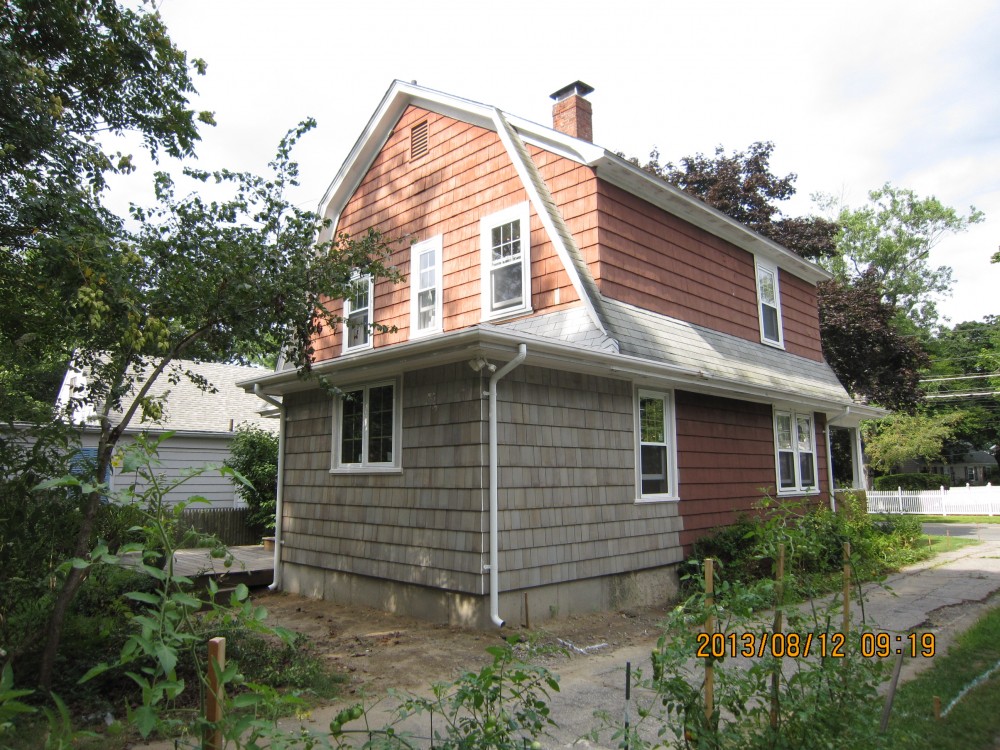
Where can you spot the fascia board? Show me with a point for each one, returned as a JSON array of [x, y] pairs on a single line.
[[638, 182]]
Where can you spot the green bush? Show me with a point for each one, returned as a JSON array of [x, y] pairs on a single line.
[[255, 457], [911, 482]]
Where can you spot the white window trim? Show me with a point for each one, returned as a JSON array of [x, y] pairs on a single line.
[[486, 225], [762, 265], [799, 488], [348, 311], [395, 466], [433, 244], [670, 433]]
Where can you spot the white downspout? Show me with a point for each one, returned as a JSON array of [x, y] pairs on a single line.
[[522, 352], [275, 584]]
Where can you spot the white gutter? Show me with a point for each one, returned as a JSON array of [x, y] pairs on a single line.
[[494, 566], [259, 392]]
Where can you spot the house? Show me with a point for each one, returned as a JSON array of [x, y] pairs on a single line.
[[973, 467], [586, 370], [202, 422]]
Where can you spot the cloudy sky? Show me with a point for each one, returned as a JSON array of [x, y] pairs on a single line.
[[853, 94]]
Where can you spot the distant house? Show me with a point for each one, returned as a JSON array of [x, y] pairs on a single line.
[[203, 424], [586, 370], [974, 467]]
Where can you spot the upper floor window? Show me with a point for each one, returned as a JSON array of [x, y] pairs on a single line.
[[425, 287], [795, 442], [768, 303], [358, 313], [366, 428], [506, 262], [656, 452]]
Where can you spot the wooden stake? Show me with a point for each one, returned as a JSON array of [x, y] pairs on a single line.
[[213, 701], [937, 708], [847, 589], [891, 695], [709, 629], [779, 596], [527, 614]]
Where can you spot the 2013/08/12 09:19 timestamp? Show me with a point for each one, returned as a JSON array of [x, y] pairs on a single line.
[[873, 644]]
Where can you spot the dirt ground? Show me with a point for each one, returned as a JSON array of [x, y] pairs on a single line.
[[378, 650]]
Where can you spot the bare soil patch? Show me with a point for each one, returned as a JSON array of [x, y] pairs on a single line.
[[378, 650]]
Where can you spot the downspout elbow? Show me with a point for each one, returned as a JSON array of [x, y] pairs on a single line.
[[522, 353]]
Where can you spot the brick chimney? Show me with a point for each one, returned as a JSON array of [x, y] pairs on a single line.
[[572, 114]]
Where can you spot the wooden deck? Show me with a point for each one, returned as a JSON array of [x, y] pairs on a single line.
[[252, 565]]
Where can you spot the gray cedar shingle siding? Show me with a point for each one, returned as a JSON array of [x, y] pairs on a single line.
[[567, 486]]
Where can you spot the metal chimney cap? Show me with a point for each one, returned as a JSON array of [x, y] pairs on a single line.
[[577, 87]]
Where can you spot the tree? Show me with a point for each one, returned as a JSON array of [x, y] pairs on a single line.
[[864, 347], [902, 437], [742, 186], [891, 238], [71, 74], [214, 281]]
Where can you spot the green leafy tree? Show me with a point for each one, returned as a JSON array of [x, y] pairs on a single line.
[[891, 237], [903, 437], [205, 280], [254, 456]]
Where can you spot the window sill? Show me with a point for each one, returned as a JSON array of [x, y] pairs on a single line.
[[798, 493], [773, 344], [367, 470], [506, 314], [655, 500]]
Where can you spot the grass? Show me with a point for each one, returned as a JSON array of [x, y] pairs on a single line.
[[939, 544], [959, 519], [974, 722]]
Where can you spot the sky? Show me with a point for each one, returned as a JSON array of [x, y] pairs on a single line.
[[853, 94]]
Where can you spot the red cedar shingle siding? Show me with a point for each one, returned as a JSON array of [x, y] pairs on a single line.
[[466, 175], [800, 317], [726, 459]]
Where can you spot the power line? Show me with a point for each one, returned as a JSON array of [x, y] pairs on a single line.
[[961, 377]]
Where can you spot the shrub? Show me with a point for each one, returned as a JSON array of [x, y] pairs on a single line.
[[911, 482], [255, 457]]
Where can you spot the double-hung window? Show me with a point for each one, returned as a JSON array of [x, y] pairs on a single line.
[[768, 303], [795, 443], [506, 262], [425, 287], [358, 313], [656, 462], [366, 428]]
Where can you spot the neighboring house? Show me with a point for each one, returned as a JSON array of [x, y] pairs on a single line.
[[974, 467], [203, 424], [587, 369]]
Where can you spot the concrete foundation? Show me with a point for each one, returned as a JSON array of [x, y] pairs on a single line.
[[523, 608]]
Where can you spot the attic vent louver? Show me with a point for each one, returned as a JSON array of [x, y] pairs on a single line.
[[418, 140]]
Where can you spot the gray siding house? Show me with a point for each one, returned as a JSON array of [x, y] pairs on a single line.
[[202, 423]]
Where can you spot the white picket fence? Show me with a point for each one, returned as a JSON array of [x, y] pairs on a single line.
[[957, 501]]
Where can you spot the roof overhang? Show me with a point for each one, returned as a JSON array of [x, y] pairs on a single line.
[[493, 342]]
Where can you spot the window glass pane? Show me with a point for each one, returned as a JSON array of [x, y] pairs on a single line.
[[786, 469], [357, 328], [765, 285], [806, 471], [651, 420], [351, 427], [359, 298], [654, 469], [784, 422], [804, 432], [380, 404], [506, 242], [425, 309], [769, 318], [507, 290]]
